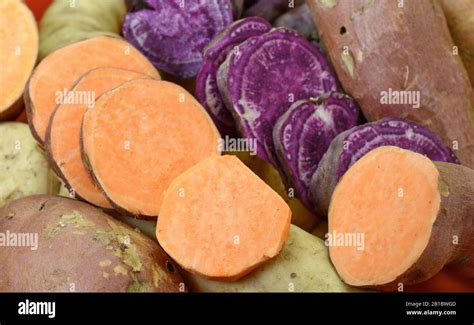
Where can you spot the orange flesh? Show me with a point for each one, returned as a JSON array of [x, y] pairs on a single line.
[[390, 196], [219, 220], [18, 50], [62, 68], [64, 132], [142, 135]]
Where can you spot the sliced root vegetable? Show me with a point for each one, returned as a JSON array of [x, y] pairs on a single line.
[[268, 73], [460, 17], [220, 220], [397, 218], [302, 266], [24, 170], [18, 53], [430, 87], [63, 136], [72, 246], [271, 9], [303, 134], [43, 93], [139, 137], [214, 55], [173, 34], [300, 20], [349, 146]]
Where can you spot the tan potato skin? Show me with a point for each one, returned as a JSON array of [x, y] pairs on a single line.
[[460, 16], [408, 49], [87, 254]]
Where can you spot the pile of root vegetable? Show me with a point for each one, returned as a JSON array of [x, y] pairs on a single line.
[[236, 146]]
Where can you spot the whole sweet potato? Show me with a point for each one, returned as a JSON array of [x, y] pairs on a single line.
[[400, 48], [52, 244]]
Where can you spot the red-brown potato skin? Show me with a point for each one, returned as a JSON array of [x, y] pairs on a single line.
[[405, 49], [86, 254]]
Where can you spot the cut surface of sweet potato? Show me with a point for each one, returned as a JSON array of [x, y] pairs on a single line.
[[142, 135], [60, 70], [220, 220], [63, 136]]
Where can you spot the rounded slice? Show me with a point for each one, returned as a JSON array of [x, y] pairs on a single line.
[[220, 220], [214, 55], [60, 70], [303, 134], [391, 199], [18, 52], [140, 136], [173, 34], [63, 137], [268, 74]]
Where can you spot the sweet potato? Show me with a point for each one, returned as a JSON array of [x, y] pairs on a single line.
[[66, 22], [139, 137], [220, 221], [302, 266], [71, 246], [265, 77], [300, 20], [63, 136], [396, 59], [50, 79], [18, 53], [303, 134], [414, 217], [460, 16], [271, 9], [24, 169], [351, 145], [215, 54], [172, 34]]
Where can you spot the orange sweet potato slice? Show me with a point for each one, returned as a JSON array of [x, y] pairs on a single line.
[[18, 53], [219, 220], [63, 143], [60, 70], [140, 136]]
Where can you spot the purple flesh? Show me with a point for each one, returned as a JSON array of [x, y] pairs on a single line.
[[348, 147], [269, 73], [173, 37], [300, 20], [214, 55], [303, 134]]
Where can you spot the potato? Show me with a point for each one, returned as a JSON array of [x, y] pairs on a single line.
[[24, 169], [71, 246], [302, 266], [66, 22]]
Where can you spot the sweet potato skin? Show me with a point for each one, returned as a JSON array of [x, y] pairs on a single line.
[[79, 248], [460, 16], [411, 54]]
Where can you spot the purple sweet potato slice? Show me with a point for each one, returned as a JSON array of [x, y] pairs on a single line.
[[268, 74], [351, 145], [271, 9], [303, 134], [214, 55], [300, 20], [172, 34]]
